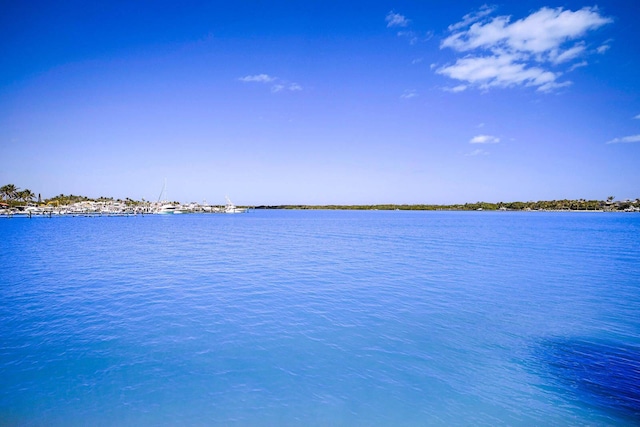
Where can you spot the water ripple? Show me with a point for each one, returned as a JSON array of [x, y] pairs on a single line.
[[321, 318]]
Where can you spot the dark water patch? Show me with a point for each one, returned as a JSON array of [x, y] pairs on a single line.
[[602, 374]]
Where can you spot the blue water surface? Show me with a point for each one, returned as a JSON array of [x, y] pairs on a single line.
[[318, 318]]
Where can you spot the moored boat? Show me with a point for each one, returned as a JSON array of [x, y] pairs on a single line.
[[232, 209]]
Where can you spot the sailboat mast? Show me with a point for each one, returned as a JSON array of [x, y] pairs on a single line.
[[164, 188]]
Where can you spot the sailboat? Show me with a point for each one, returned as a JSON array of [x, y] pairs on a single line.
[[164, 207], [231, 208]]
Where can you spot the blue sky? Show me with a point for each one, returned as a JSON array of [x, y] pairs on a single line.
[[321, 102]]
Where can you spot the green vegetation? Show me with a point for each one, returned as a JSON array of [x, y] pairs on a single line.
[[575, 205], [62, 199], [14, 196]]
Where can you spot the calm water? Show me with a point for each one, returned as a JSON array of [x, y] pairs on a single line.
[[318, 318]]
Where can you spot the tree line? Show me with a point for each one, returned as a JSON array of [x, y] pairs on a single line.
[[12, 195], [565, 204]]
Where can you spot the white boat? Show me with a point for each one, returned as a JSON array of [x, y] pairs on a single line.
[[232, 209], [167, 209]]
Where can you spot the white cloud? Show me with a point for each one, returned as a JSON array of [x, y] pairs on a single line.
[[548, 87], [637, 117], [502, 53], [568, 54], [456, 89], [484, 139], [578, 65], [470, 18], [624, 139], [415, 37], [411, 35], [541, 32], [396, 20], [602, 49], [257, 78], [499, 71], [408, 94], [278, 85], [477, 152]]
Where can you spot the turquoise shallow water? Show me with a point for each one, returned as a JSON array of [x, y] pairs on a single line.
[[303, 318]]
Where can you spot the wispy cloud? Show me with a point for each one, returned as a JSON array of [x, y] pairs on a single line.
[[257, 78], [472, 17], [499, 70], [603, 48], [277, 84], [456, 89], [502, 53], [410, 35], [396, 20], [569, 54], [484, 139], [637, 117], [625, 139], [477, 152], [408, 94], [578, 65]]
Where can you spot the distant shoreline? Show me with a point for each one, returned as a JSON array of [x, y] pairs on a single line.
[[14, 200], [342, 208], [540, 206], [28, 214]]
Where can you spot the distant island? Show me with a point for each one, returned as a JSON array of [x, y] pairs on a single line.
[[544, 205], [13, 198]]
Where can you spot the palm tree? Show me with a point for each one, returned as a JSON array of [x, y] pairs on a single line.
[[8, 191], [25, 195]]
